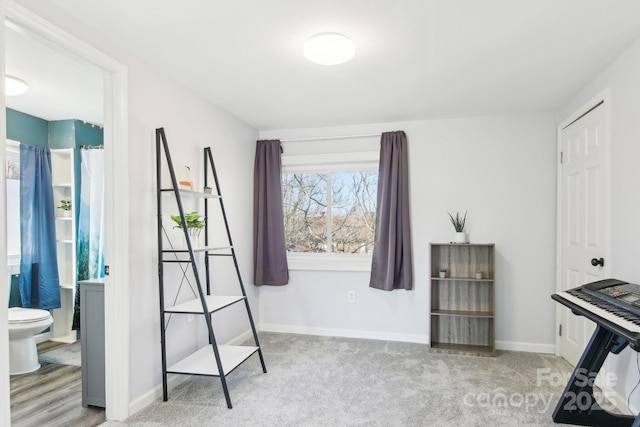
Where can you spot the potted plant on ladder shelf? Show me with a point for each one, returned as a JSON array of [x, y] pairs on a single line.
[[458, 223], [195, 224]]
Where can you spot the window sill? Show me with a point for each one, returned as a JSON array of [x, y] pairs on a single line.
[[329, 262]]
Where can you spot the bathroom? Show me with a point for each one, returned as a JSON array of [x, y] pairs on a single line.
[[61, 110]]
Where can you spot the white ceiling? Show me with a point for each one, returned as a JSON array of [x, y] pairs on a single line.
[[61, 86], [415, 58]]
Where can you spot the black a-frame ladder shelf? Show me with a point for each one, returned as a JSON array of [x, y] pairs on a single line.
[[181, 287]]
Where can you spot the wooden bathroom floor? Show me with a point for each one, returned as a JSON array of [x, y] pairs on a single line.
[[51, 396]]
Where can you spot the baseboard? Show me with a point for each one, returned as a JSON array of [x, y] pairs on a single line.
[[45, 336], [526, 347], [389, 336], [242, 338], [345, 333], [155, 393]]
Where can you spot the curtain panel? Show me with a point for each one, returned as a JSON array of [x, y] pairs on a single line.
[[391, 266], [39, 279], [90, 222], [269, 252]]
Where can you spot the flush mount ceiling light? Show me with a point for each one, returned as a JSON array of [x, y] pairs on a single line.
[[329, 49], [13, 86]]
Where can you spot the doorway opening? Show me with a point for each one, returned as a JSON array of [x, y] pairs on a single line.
[[114, 90]]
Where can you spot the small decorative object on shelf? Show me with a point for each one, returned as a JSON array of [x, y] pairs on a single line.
[[458, 223], [207, 190], [186, 181], [65, 205], [443, 273], [478, 275]]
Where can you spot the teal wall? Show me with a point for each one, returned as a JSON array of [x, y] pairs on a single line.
[[73, 134], [62, 134], [27, 129], [88, 134]]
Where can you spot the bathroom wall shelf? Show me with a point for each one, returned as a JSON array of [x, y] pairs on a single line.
[[63, 181], [185, 278], [463, 304]]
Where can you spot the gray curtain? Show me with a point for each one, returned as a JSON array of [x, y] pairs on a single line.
[[391, 265], [269, 253]]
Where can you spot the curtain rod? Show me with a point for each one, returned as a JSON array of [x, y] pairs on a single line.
[[319, 138], [89, 147]]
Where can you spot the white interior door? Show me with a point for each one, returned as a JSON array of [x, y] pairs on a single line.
[[584, 231]]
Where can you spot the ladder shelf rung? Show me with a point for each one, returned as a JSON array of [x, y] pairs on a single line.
[[202, 249], [214, 303], [213, 248], [203, 361]]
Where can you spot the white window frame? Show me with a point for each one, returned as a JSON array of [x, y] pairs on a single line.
[[326, 163]]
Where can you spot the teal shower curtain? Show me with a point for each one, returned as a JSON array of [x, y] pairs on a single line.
[[90, 221], [39, 279]]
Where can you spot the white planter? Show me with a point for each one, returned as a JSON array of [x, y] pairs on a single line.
[[66, 213], [194, 235], [460, 237]]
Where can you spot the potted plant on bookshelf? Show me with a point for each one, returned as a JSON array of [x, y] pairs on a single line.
[[458, 223], [65, 206], [443, 273], [195, 224]]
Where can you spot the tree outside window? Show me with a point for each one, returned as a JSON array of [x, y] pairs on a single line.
[[330, 212]]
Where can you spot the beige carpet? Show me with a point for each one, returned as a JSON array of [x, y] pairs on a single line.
[[323, 381]]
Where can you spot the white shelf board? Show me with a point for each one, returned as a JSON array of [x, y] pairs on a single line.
[[64, 218], [63, 184], [203, 361], [212, 248], [67, 286], [214, 303], [190, 193]]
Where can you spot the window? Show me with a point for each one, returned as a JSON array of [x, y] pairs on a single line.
[[329, 207], [330, 212]]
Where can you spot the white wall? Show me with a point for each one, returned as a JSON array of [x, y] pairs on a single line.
[[503, 171], [191, 123], [622, 79]]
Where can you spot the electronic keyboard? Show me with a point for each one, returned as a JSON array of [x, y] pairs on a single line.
[[611, 303], [614, 306]]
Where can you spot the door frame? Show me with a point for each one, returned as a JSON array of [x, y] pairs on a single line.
[[116, 287], [603, 97]]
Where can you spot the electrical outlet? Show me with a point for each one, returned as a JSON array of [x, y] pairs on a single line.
[[189, 318], [351, 296]]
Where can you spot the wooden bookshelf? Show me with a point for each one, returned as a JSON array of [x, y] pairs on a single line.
[[462, 304]]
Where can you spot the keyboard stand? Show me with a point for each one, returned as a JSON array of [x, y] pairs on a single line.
[[577, 405]]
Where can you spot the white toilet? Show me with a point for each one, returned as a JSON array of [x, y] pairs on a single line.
[[24, 324]]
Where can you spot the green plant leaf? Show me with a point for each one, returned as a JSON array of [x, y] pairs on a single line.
[[459, 221], [193, 219]]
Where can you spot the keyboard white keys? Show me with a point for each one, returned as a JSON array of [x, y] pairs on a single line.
[[611, 317]]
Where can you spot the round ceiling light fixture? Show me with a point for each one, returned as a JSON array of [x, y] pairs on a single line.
[[329, 49], [13, 86]]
